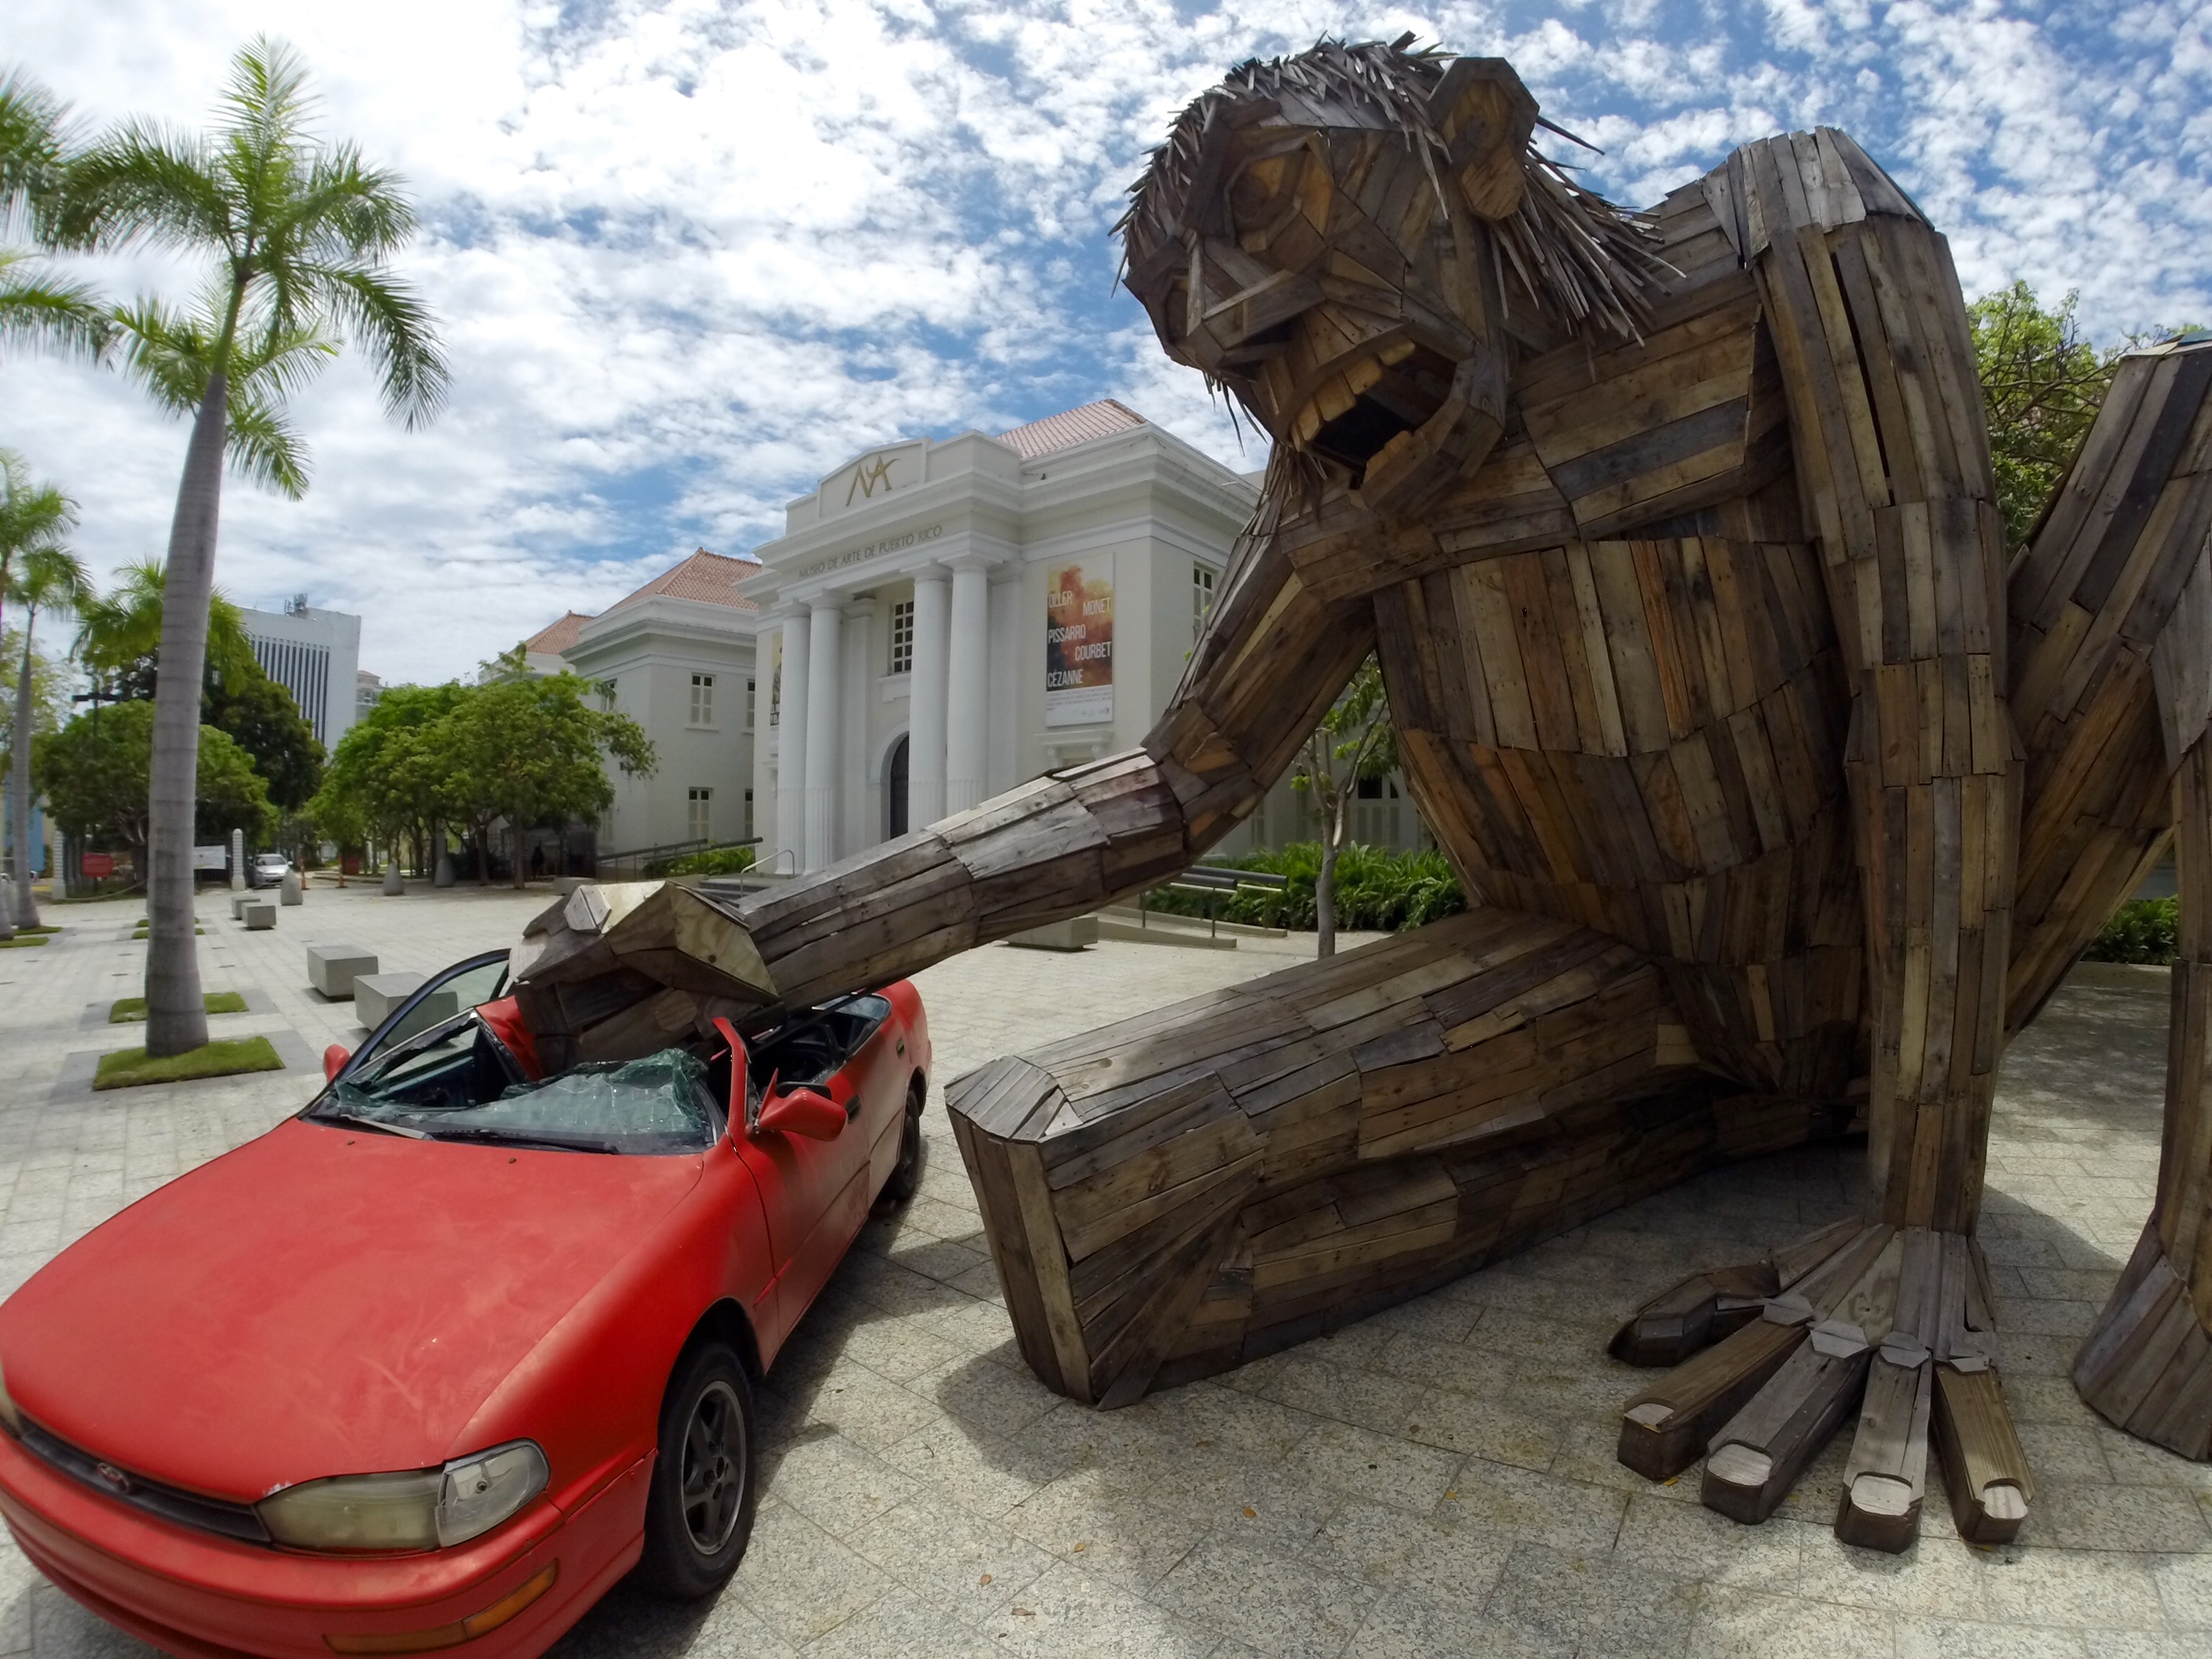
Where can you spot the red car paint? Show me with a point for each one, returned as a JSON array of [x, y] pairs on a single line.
[[327, 1300]]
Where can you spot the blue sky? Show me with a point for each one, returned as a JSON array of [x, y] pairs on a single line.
[[690, 256]]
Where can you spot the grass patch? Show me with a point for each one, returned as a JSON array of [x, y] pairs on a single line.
[[40, 927], [131, 1069], [22, 941], [217, 1002], [143, 930]]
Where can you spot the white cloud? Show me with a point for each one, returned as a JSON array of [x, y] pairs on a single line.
[[691, 254]]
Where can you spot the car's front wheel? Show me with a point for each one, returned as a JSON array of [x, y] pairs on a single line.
[[905, 1179], [699, 1511]]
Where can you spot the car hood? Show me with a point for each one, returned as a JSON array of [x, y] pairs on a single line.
[[323, 1300]]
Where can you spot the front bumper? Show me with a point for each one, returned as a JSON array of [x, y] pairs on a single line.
[[202, 1596]]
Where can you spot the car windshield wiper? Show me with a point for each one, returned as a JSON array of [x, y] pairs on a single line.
[[375, 1123], [521, 1138]]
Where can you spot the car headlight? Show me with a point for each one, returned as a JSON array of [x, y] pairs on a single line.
[[419, 1509]]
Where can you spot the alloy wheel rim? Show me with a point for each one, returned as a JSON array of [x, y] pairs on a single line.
[[713, 1468]]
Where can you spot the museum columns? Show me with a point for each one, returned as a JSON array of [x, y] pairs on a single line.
[[793, 690], [925, 757], [966, 704], [825, 629]]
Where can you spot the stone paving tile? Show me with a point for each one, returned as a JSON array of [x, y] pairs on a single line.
[[1436, 1480]]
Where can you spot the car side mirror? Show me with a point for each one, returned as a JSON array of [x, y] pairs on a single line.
[[802, 1112], [334, 1060]]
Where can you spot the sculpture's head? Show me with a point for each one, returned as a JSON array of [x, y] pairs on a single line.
[[1355, 241]]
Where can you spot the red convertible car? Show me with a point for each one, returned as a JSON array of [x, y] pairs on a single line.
[[441, 1359]]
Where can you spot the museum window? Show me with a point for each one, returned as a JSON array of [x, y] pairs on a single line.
[[1201, 599], [902, 636], [751, 688], [703, 700], [606, 689], [749, 815], [698, 809]]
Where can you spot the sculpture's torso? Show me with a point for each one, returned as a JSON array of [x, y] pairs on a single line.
[[1617, 692]]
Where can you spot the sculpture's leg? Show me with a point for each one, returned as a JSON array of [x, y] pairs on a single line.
[[1187, 1190], [2146, 1365]]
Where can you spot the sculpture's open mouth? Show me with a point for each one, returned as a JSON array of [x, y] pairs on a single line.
[[1361, 406]]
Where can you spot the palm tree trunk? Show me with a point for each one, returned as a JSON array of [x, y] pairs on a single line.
[[19, 786], [176, 1017]]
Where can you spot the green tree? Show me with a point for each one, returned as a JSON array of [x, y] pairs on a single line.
[[2042, 385], [264, 719], [49, 578], [387, 778], [299, 232], [1355, 741], [37, 307], [97, 773], [32, 516], [532, 750]]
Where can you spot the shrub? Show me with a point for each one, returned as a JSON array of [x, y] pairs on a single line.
[[2140, 931], [1376, 889], [715, 862]]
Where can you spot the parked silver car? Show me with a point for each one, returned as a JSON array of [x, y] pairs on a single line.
[[266, 869]]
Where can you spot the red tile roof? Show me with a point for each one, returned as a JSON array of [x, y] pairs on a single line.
[[708, 578], [1070, 427], [555, 637]]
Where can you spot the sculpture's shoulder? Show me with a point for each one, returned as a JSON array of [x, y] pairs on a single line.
[[1816, 180], [1686, 414]]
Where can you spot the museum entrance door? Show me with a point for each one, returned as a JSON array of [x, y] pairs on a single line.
[[894, 772]]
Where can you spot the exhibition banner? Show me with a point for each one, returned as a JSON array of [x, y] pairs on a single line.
[[1079, 644]]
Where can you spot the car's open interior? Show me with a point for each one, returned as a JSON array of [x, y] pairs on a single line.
[[460, 1080]]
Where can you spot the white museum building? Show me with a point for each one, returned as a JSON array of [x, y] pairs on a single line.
[[943, 621], [939, 623], [677, 657]]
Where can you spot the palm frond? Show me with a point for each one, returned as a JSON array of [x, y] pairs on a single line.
[[50, 579], [146, 185], [264, 447], [35, 139], [387, 318], [39, 309]]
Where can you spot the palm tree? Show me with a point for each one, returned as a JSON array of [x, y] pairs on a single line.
[[300, 231], [37, 308], [32, 521], [52, 580]]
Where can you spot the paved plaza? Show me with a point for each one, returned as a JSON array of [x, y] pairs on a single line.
[[1437, 1479]]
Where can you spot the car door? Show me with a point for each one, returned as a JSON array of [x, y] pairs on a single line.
[[467, 984], [814, 1195]]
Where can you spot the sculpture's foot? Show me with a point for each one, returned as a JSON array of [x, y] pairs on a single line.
[[1891, 1324], [2147, 1364]]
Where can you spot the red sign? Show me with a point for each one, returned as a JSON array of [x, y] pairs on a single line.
[[98, 865]]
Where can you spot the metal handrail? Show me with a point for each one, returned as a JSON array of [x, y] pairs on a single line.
[[641, 856], [1213, 880]]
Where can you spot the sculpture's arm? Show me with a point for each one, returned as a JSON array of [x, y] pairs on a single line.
[[1269, 665], [1893, 466]]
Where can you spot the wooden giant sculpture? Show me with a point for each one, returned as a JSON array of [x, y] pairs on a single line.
[[1781, 800]]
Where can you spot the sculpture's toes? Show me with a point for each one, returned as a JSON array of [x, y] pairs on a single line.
[[1893, 1324]]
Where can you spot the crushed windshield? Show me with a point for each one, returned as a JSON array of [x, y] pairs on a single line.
[[656, 1104]]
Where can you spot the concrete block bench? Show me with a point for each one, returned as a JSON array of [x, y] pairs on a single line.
[[259, 915], [333, 969], [378, 996]]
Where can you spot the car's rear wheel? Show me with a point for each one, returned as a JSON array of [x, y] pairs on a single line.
[[906, 1174], [699, 1511]]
